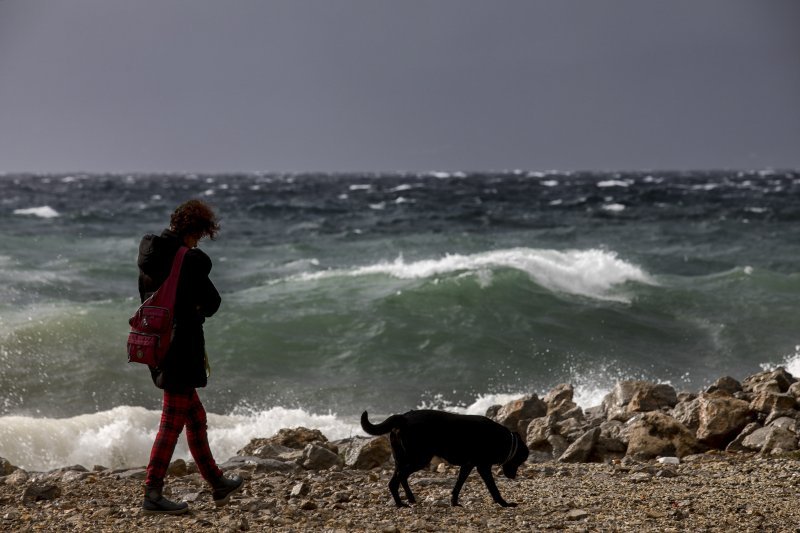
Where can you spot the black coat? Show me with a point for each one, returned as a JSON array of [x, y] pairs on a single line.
[[197, 298]]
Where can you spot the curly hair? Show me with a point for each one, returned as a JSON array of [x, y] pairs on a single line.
[[194, 217]]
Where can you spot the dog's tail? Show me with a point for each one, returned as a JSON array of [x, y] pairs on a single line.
[[394, 421]]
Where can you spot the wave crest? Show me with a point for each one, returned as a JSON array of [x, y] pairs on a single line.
[[592, 273]]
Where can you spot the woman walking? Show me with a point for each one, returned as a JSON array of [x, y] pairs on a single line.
[[185, 366]]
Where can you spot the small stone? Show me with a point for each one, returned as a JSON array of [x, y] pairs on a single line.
[[668, 461], [641, 477], [300, 489], [308, 505], [577, 514]]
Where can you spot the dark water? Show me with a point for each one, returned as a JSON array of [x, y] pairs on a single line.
[[388, 292]]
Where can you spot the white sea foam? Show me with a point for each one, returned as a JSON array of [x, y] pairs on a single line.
[[592, 273], [614, 183], [791, 362], [42, 212], [614, 208], [122, 437]]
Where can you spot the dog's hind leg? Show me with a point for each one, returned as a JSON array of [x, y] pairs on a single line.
[[462, 477], [486, 474], [394, 486], [409, 494]]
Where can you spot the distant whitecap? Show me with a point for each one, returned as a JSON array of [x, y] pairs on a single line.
[[613, 183], [41, 212]]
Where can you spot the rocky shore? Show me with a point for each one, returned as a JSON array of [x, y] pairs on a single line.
[[648, 458]]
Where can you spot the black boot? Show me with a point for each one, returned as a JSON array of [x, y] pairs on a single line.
[[155, 503], [224, 487]]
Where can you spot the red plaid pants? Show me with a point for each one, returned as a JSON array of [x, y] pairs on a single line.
[[181, 409]]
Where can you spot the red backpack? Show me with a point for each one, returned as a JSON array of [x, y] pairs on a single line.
[[151, 325]]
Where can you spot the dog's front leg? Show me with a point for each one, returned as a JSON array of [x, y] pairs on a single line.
[[462, 477], [486, 473]]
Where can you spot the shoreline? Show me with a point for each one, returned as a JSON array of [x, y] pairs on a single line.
[[647, 458], [713, 491]]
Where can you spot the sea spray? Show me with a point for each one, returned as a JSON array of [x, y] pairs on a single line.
[[123, 436]]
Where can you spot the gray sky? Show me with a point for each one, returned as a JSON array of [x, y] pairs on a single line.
[[383, 85]]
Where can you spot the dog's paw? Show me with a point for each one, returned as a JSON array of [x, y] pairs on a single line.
[[508, 504]]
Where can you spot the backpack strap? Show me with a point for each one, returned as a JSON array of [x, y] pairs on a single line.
[[165, 295]]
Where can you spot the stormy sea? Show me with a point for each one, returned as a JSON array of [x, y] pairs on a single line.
[[388, 292]]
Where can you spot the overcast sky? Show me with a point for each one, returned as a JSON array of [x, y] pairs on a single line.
[[384, 85]]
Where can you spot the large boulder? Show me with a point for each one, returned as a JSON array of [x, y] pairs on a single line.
[[288, 438], [634, 396], [725, 384], [316, 457], [654, 434], [736, 445], [770, 439], [610, 443], [560, 402], [766, 401], [367, 453], [778, 380], [539, 430], [716, 417], [525, 408], [580, 450]]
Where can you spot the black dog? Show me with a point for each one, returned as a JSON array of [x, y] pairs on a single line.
[[464, 440]]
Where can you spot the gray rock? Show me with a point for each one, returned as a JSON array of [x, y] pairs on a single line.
[[35, 492], [632, 396], [767, 439], [558, 444], [72, 476], [736, 444], [577, 514], [756, 439], [779, 440], [610, 444], [641, 477], [784, 422], [299, 489], [316, 457], [580, 450], [257, 464], [365, 454], [135, 473]]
